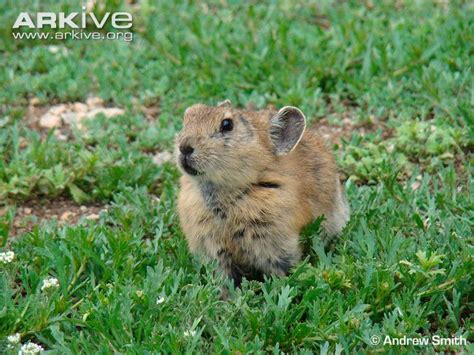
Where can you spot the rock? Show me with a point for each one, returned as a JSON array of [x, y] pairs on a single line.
[[27, 210], [113, 111], [66, 215], [162, 157], [52, 118], [34, 101], [58, 109], [69, 117], [49, 120], [107, 112], [94, 101], [73, 118], [83, 208], [93, 217], [79, 107]]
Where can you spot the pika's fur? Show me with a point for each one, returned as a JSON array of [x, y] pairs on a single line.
[[252, 180]]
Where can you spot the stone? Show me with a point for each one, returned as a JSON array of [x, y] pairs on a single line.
[[93, 217], [49, 120], [107, 112], [34, 101], [70, 117], [94, 101], [66, 215], [79, 107], [57, 109]]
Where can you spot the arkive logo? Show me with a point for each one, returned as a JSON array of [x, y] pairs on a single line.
[[74, 20]]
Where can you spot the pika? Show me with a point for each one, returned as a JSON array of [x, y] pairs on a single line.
[[251, 181]]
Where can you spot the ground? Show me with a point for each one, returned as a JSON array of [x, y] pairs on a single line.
[[88, 186]]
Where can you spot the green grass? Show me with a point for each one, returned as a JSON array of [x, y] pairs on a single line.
[[404, 264]]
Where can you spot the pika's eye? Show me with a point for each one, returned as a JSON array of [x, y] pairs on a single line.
[[227, 125]]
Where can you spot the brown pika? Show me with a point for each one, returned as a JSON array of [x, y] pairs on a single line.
[[251, 181]]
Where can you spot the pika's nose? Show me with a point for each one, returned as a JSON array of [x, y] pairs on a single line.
[[186, 149]]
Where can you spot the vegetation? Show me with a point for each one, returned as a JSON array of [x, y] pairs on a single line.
[[393, 79]]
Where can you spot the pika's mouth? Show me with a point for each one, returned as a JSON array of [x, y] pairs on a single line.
[[186, 163]]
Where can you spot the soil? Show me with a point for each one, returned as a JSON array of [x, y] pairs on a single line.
[[335, 134], [61, 209], [64, 210]]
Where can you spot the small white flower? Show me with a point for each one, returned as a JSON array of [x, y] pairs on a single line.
[[50, 283], [14, 338], [160, 300], [7, 257], [189, 333], [30, 348]]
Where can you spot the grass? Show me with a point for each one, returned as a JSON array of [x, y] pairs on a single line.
[[403, 266]]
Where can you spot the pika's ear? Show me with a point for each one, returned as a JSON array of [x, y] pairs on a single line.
[[192, 109], [225, 103], [286, 129]]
